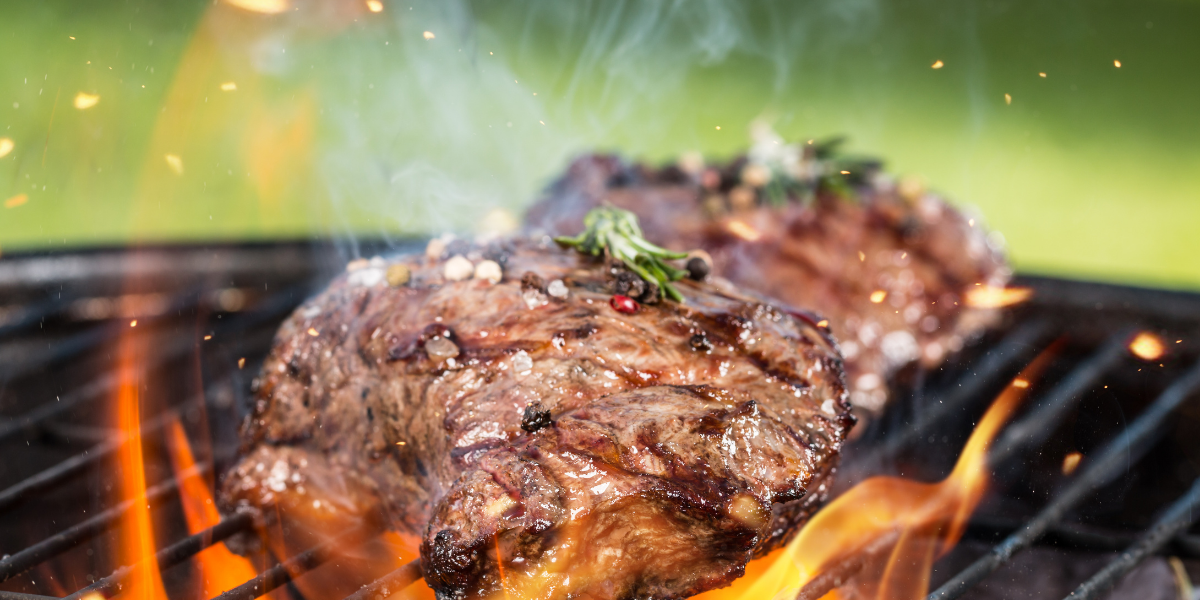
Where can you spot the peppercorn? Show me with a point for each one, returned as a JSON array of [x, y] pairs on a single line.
[[623, 304], [535, 418], [698, 268]]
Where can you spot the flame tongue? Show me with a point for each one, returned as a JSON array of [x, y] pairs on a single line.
[[880, 538], [137, 535], [219, 569]]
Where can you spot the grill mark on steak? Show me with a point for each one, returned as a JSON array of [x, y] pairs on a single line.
[[628, 470]]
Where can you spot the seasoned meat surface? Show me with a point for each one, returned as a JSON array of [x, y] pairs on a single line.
[[889, 266], [538, 442]]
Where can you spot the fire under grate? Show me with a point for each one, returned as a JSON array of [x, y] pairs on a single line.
[[213, 313]]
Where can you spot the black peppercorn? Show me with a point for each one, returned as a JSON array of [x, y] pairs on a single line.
[[535, 418], [698, 268]]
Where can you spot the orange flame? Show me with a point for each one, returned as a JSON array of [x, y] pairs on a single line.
[[137, 533], [1147, 346], [880, 538], [220, 570]]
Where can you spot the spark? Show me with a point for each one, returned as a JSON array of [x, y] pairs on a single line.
[[823, 323], [1020, 383], [6, 146], [207, 337], [718, 127], [1070, 461], [174, 163], [845, 172], [939, 64], [877, 296], [84, 101], [1008, 98], [743, 231], [1147, 346], [313, 332], [16, 201], [241, 362], [265, 7], [1042, 75], [971, 222], [374, 6], [428, 35], [996, 297], [71, 36], [1117, 64], [228, 86], [862, 257], [133, 323]]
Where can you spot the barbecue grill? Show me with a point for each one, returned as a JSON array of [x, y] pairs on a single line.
[[209, 313]]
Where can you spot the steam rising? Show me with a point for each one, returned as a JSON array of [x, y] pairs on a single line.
[[420, 135]]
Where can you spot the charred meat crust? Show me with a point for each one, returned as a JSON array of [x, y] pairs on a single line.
[[677, 442]]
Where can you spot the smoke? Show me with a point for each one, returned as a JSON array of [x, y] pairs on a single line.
[[433, 113]]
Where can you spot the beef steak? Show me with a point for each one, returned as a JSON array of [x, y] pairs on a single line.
[[540, 443], [889, 266]]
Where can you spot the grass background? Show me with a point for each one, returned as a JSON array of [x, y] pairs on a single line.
[[346, 121]]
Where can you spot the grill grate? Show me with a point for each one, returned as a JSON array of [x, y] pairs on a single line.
[[1097, 320]]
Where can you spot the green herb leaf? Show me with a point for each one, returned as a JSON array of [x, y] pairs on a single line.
[[615, 232]]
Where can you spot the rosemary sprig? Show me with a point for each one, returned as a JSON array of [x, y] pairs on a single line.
[[615, 231]]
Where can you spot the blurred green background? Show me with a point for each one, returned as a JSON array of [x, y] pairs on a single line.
[[222, 121]]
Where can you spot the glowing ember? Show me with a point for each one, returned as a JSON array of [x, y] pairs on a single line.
[[265, 7], [1117, 64], [1008, 98], [428, 35], [996, 297], [939, 64], [878, 296], [313, 332], [6, 146], [16, 201], [1070, 462], [1042, 75], [1021, 383], [241, 362], [174, 163], [84, 101], [220, 570], [133, 323], [1147, 346], [879, 539], [229, 86], [374, 6], [743, 231]]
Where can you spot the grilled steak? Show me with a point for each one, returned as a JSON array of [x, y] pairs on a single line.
[[888, 267], [539, 442]]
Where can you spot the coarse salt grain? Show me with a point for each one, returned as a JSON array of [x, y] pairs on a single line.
[[489, 270], [436, 248], [458, 268], [557, 289]]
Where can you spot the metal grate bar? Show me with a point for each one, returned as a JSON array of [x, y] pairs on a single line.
[[69, 538], [1174, 521], [173, 554], [391, 583], [1073, 537], [90, 338], [176, 348], [1041, 422], [280, 574], [70, 466], [20, 596], [1100, 471], [1003, 357]]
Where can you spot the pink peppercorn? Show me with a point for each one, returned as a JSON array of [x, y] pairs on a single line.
[[623, 304]]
